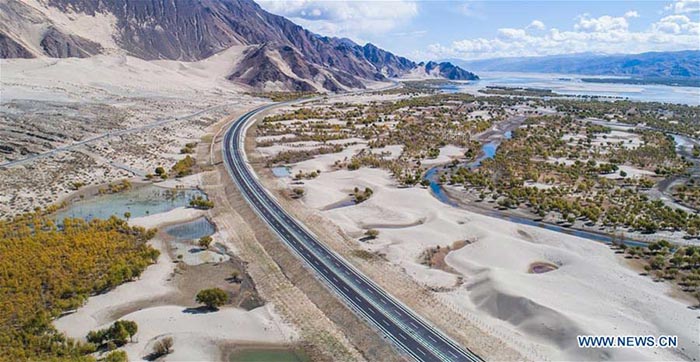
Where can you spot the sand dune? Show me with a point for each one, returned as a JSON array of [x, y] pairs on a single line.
[[591, 292]]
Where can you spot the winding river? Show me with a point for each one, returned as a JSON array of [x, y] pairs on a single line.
[[683, 145]]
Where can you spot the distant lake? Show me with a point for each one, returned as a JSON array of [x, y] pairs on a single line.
[[569, 84]]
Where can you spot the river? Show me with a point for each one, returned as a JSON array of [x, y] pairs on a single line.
[[489, 150]]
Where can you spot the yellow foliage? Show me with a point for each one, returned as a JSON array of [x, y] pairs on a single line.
[[46, 269]]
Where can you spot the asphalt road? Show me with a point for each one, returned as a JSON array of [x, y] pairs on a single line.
[[409, 332]]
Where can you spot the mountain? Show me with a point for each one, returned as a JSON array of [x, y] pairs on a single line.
[[279, 54], [681, 64]]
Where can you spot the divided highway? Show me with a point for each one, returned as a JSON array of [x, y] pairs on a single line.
[[402, 326]]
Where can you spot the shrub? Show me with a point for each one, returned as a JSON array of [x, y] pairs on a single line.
[[200, 202], [205, 241], [162, 347]]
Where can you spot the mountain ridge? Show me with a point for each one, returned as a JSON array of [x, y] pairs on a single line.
[[289, 56], [678, 64]]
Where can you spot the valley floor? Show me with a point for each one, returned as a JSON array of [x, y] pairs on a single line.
[[487, 278]]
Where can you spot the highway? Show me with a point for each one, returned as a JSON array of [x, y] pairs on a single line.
[[408, 331]]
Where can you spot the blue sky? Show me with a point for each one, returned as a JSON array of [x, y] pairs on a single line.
[[485, 29]]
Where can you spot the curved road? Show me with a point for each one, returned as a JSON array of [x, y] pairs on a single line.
[[403, 327]]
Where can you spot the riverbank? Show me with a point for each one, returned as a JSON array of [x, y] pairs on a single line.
[[469, 200]]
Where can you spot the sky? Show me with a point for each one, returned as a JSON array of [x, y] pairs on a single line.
[[433, 30]]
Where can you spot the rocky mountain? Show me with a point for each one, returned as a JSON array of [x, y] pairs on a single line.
[[681, 64], [280, 54]]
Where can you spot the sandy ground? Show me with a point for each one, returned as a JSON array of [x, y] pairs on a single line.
[[174, 216], [197, 336], [591, 292]]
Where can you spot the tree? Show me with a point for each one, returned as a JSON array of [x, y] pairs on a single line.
[[205, 241], [160, 171], [236, 276], [298, 192], [130, 326], [212, 298], [372, 233], [116, 334], [119, 334], [127, 215]]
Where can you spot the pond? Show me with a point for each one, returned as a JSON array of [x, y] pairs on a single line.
[[185, 242], [281, 171], [139, 201], [191, 230]]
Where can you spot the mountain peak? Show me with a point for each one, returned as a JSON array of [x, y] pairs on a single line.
[[290, 57]]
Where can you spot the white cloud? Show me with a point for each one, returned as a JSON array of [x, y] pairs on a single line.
[[509, 33], [536, 24], [684, 6], [676, 24], [604, 34], [604, 23], [351, 19]]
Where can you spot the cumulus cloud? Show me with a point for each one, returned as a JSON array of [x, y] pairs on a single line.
[[536, 24], [603, 34], [676, 24], [684, 6], [604, 23], [351, 19]]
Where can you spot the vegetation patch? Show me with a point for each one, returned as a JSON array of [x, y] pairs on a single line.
[[664, 261], [435, 257], [46, 270], [184, 167], [115, 187]]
